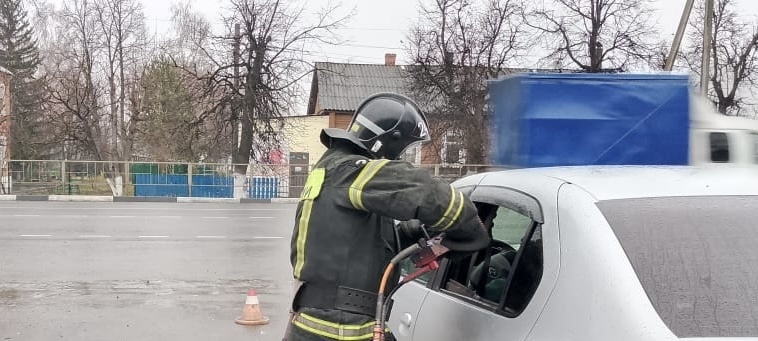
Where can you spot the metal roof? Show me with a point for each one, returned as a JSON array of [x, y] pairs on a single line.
[[342, 87]]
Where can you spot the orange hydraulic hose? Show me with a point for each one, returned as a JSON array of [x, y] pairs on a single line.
[[386, 277], [379, 323], [378, 329]]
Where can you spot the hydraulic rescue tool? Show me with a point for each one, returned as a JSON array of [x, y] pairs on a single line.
[[424, 255]]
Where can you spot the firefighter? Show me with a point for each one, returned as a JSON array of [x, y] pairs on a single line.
[[345, 233]]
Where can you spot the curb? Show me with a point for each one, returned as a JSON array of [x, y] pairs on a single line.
[[207, 200], [83, 198], [31, 198], [99, 198], [255, 201], [144, 199], [285, 200]]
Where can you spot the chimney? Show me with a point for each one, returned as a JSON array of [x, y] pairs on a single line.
[[389, 59]]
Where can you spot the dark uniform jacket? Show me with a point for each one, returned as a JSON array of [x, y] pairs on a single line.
[[344, 235]]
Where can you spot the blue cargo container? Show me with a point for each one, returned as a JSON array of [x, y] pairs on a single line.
[[583, 119]]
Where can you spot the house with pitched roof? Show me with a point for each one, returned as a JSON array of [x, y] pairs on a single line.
[[338, 88]]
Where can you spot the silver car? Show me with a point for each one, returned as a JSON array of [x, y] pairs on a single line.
[[598, 253]]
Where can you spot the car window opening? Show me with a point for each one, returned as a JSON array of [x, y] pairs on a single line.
[[505, 276], [719, 147]]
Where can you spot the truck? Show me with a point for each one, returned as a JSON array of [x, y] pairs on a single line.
[[565, 119]]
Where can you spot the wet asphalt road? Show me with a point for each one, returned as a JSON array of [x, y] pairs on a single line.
[[142, 271]]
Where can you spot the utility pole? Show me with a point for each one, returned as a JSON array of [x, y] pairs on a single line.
[[679, 34], [705, 70], [235, 97], [238, 158]]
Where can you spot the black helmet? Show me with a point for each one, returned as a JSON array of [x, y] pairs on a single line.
[[385, 125]]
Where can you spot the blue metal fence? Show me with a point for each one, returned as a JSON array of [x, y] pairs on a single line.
[[211, 186], [205, 186], [263, 187], [161, 185]]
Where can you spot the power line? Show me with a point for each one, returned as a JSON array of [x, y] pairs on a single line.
[[373, 46], [357, 28], [157, 19], [222, 21], [361, 59]]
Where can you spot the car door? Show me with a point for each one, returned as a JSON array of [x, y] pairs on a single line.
[[407, 301], [490, 295]]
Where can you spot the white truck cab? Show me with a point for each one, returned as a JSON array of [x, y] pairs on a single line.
[[719, 139]]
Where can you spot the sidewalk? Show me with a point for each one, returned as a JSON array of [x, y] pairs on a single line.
[[95, 198]]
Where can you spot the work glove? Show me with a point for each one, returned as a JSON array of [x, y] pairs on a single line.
[[411, 230], [467, 240]]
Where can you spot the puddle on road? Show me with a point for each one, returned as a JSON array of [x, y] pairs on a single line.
[[8, 296], [162, 293]]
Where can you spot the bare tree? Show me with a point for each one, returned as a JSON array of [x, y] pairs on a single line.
[[124, 42], [258, 85], [595, 35], [4, 142], [74, 86], [192, 34], [456, 47], [94, 60], [734, 55]]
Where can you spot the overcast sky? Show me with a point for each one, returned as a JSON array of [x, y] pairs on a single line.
[[379, 26]]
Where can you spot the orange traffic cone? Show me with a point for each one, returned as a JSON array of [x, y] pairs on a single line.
[[251, 313]]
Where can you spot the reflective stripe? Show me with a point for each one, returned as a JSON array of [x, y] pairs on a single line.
[[302, 233], [313, 184], [333, 330], [448, 218], [457, 212], [377, 130], [357, 185], [449, 207], [366, 174]]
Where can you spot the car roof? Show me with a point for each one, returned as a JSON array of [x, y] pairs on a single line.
[[623, 182]]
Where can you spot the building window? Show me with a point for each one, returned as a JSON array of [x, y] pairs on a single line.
[[452, 149], [412, 155]]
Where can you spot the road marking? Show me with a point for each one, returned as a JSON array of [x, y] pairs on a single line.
[[210, 237], [35, 235], [26, 215], [152, 236], [261, 217], [174, 207], [93, 236], [268, 237]]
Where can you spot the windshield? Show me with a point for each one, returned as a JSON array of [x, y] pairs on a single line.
[[697, 259]]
